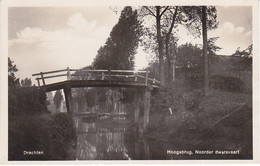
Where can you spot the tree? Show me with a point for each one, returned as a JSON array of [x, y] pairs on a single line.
[[58, 98], [244, 59], [157, 12], [12, 80], [167, 42], [188, 56], [120, 48], [205, 54], [248, 52], [167, 18], [205, 17], [211, 46], [26, 82], [207, 24]]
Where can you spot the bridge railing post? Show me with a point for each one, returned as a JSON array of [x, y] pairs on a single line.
[[109, 73], [146, 77], [43, 81], [103, 75], [68, 74], [135, 76]]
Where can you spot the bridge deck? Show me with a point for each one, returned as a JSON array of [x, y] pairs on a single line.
[[96, 83]]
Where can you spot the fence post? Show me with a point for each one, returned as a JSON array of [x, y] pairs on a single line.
[[109, 73], [146, 77], [42, 79], [68, 74]]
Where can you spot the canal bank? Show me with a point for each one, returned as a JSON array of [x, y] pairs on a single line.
[[186, 120]]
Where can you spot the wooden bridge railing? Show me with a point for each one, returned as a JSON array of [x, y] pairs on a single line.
[[98, 73]]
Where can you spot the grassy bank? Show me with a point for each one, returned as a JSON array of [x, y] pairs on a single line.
[[220, 121]]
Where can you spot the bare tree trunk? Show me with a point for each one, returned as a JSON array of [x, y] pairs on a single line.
[[160, 46], [168, 75], [205, 55], [171, 73]]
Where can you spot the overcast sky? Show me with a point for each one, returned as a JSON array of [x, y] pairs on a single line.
[[43, 39]]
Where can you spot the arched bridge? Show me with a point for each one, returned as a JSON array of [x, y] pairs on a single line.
[[96, 78], [76, 78]]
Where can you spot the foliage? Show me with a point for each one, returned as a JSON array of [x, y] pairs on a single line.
[[188, 56], [189, 65], [192, 115], [174, 106], [153, 68], [228, 84], [52, 134], [247, 53], [193, 19], [26, 82], [63, 134], [12, 80], [211, 47], [117, 53], [170, 17], [25, 100], [120, 47], [164, 29]]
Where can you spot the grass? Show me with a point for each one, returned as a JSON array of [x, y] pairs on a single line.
[[195, 120]]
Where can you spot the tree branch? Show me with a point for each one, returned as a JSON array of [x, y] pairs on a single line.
[[147, 8], [173, 21], [164, 11]]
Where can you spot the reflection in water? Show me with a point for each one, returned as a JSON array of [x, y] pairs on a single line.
[[96, 141]]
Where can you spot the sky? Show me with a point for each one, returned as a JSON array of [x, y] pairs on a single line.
[[52, 38]]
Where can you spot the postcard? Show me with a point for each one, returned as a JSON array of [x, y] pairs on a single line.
[[129, 82]]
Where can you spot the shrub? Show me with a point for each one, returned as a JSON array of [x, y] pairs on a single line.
[[184, 103], [26, 99], [52, 134], [228, 84], [192, 77]]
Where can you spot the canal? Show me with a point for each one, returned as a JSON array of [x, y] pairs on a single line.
[[108, 138], [111, 138]]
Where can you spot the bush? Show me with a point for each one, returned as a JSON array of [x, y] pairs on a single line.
[[184, 103], [228, 84], [192, 77], [52, 134], [26, 99]]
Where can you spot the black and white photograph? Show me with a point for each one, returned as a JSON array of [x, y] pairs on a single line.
[[130, 82]]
